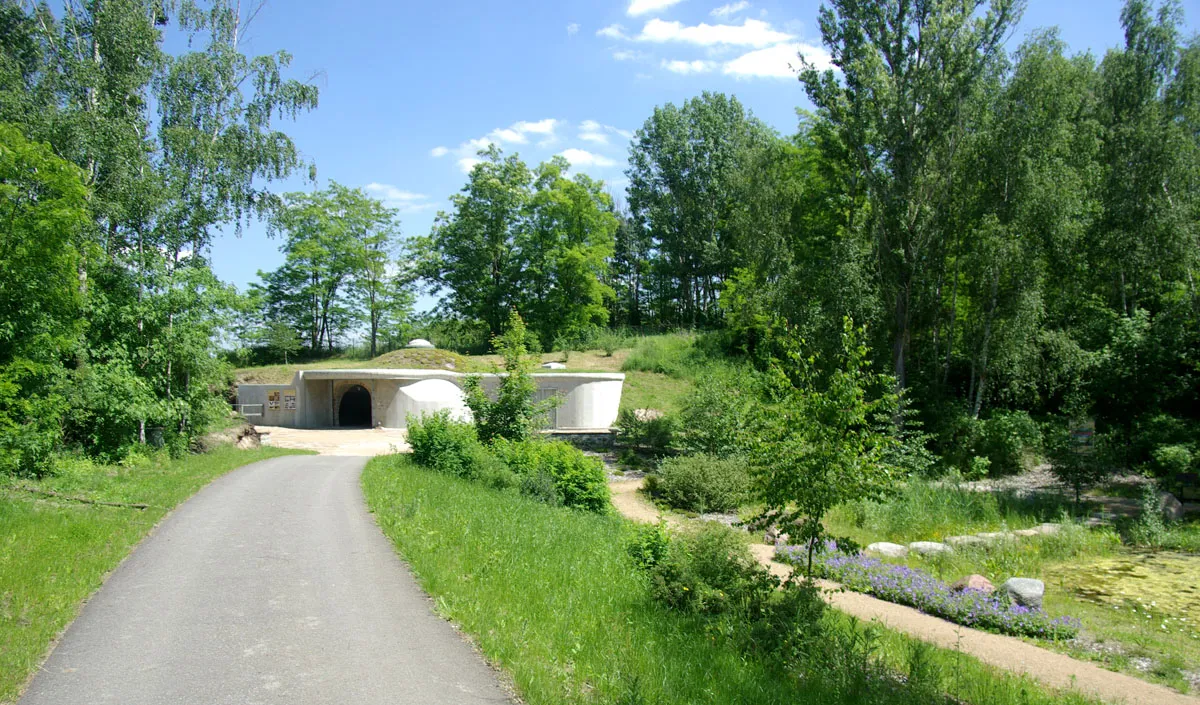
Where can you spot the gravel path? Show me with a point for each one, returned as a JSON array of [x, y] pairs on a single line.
[[271, 585], [1011, 654]]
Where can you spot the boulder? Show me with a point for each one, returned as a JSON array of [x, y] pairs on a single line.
[[891, 550], [1047, 529], [1170, 506], [648, 414], [957, 541], [1026, 592], [554, 366], [991, 536], [929, 548], [973, 582], [1026, 533]]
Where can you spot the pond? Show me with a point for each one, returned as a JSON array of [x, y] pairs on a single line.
[[1165, 582]]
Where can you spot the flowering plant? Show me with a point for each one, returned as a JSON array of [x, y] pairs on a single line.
[[916, 588]]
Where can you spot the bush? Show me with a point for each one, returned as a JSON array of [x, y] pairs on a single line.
[[715, 416], [1172, 460], [706, 569], [513, 413], [702, 483], [443, 444], [652, 433], [1006, 439], [578, 480]]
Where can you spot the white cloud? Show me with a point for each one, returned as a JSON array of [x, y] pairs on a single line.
[[628, 55], [393, 197], [779, 61], [613, 31], [572, 28], [731, 9], [686, 67], [755, 33], [592, 131], [581, 157], [641, 7], [516, 133]]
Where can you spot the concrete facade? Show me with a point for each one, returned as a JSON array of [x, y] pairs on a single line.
[[317, 398]]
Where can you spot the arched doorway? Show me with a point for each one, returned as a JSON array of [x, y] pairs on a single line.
[[355, 408]]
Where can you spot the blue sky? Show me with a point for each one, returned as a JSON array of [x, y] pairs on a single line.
[[408, 88]]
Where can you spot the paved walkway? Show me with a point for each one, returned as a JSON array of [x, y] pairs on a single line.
[[337, 441], [271, 585], [1008, 653]]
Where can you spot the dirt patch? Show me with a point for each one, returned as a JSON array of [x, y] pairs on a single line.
[[337, 441]]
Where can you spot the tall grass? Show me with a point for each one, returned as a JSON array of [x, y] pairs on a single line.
[[550, 595], [53, 554], [923, 511]]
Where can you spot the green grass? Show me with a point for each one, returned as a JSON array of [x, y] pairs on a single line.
[[54, 553], [549, 595]]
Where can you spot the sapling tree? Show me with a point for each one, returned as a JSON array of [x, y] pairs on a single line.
[[816, 443], [512, 414], [281, 337]]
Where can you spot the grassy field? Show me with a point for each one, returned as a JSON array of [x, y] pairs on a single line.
[[55, 552], [1149, 632], [549, 595]]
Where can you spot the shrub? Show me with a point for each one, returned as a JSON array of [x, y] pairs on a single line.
[[703, 483], [716, 415], [578, 480], [648, 545], [443, 444], [916, 588], [708, 569], [1171, 460], [655, 434]]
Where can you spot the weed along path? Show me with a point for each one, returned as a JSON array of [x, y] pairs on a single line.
[[1008, 653], [271, 585]]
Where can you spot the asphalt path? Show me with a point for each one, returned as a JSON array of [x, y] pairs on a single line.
[[271, 585]]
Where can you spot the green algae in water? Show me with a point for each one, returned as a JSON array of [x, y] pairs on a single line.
[[1169, 582]]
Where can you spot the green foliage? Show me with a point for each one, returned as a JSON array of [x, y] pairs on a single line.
[[443, 444], [1009, 440], [513, 413], [708, 569], [648, 545], [532, 240], [575, 480], [1173, 460], [701, 483], [815, 447], [717, 414], [1074, 466], [653, 433]]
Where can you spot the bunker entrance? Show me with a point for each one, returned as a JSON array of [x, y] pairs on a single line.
[[354, 411]]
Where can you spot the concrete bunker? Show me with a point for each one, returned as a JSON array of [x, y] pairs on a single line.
[[332, 398]]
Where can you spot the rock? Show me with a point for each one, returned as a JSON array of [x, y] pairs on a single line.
[[1047, 529], [1026, 533], [929, 548], [420, 343], [554, 366], [973, 582], [782, 540], [449, 365], [648, 414], [957, 541], [991, 536], [1170, 506], [891, 550], [1026, 592], [244, 436]]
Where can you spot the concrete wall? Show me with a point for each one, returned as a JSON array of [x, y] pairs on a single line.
[[262, 394]]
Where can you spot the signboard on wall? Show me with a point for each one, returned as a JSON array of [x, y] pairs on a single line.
[[289, 400], [273, 400]]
